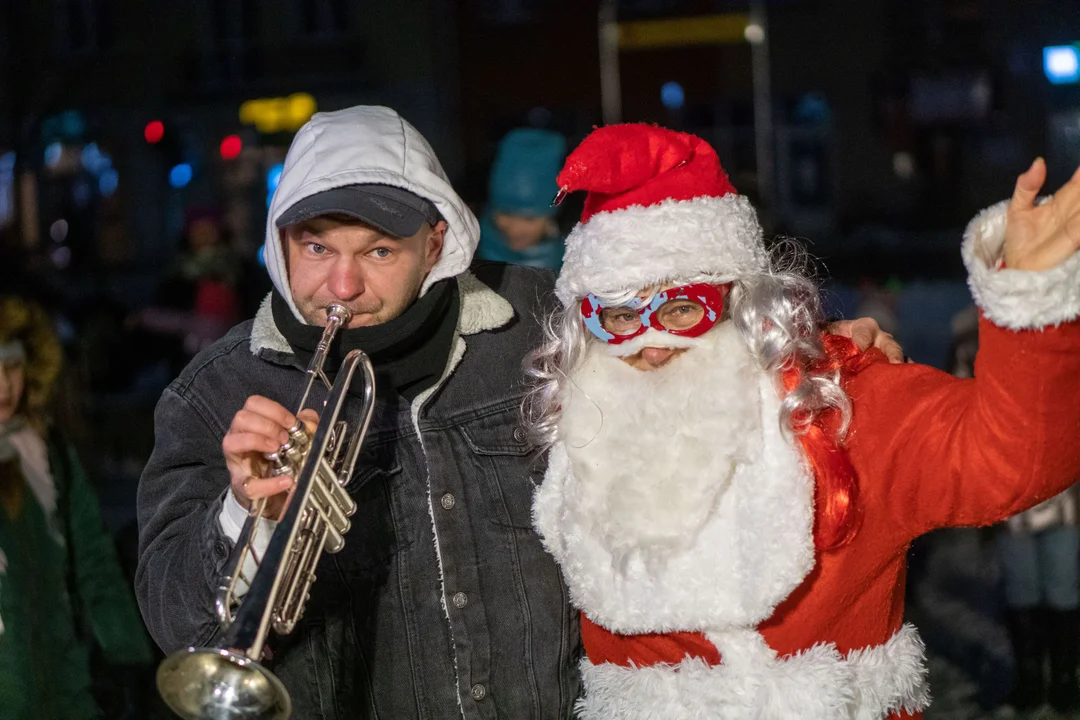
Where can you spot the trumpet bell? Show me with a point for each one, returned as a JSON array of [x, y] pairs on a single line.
[[216, 684]]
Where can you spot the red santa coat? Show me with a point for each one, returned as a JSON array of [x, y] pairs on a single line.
[[931, 451]]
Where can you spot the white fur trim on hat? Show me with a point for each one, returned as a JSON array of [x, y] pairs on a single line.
[[1016, 299], [753, 684], [684, 240]]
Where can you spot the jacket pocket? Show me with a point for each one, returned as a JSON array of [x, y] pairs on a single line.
[[511, 466], [371, 539]]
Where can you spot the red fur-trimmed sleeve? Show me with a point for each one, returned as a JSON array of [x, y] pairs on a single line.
[[933, 451]]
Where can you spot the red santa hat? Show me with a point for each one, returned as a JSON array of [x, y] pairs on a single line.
[[659, 209]]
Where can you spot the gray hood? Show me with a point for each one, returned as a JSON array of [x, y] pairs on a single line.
[[368, 144]]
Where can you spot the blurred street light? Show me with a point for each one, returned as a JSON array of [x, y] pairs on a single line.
[[672, 95], [54, 152], [231, 147], [154, 131], [180, 175], [58, 230], [272, 115], [273, 177], [1061, 64], [108, 182]]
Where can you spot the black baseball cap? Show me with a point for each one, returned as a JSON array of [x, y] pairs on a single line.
[[393, 210]]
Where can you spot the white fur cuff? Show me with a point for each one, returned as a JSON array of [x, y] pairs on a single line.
[[816, 684], [1016, 299]]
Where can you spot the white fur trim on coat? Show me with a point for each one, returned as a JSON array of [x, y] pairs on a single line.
[[754, 552], [753, 684], [1017, 299], [684, 240]]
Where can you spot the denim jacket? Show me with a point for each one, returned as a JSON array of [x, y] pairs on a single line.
[[443, 602]]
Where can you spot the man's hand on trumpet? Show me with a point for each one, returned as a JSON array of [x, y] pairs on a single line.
[[259, 428]]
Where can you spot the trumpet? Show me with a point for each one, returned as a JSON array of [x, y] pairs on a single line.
[[227, 681]]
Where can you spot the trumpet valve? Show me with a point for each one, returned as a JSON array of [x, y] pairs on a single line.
[[295, 455], [278, 463], [298, 434], [334, 540]]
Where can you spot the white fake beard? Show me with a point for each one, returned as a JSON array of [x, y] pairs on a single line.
[[654, 451]]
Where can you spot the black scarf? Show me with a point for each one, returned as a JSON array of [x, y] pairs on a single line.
[[409, 353]]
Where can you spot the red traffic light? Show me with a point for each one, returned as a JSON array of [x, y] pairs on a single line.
[[231, 147], [154, 131]]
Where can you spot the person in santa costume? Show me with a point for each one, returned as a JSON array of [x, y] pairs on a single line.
[[730, 491]]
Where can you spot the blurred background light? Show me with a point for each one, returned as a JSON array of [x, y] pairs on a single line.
[[180, 175], [671, 94], [108, 182], [154, 131], [754, 33], [231, 147], [1061, 63], [273, 177], [58, 230], [53, 153]]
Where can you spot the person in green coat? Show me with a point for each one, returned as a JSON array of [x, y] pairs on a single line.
[[61, 586]]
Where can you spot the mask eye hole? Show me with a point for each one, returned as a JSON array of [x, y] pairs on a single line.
[[681, 314], [620, 320]]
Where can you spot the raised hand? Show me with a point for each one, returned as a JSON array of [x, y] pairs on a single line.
[[1040, 237]]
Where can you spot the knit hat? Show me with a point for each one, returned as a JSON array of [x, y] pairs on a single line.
[[523, 174], [660, 208]]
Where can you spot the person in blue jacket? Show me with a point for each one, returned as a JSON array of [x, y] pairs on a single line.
[[518, 224]]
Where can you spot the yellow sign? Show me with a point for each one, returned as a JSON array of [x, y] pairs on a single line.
[[271, 115], [704, 30]]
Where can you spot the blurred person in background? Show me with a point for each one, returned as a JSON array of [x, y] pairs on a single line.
[[62, 594], [878, 301], [1039, 554], [518, 224], [198, 300]]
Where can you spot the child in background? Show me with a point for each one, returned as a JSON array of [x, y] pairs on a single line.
[[518, 225]]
